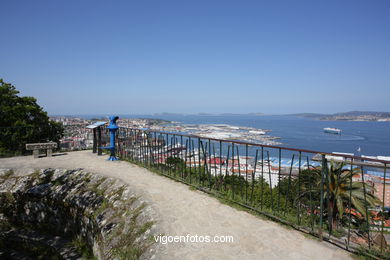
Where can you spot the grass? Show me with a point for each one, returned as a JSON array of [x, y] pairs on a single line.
[[57, 183], [137, 211], [119, 191], [339, 232], [35, 174], [129, 246], [87, 178], [83, 248], [46, 178], [94, 188], [8, 174], [145, 227], [7, 199], [4, 225], [103, 206], [373, 253]]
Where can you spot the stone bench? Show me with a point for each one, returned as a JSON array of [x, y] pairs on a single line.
[[41, 146]]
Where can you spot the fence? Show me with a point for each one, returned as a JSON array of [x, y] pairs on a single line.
[[337, 197]]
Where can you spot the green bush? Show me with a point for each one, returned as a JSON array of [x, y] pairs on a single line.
[[23, 121]]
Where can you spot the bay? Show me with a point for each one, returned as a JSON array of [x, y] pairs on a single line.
[[373, 138]]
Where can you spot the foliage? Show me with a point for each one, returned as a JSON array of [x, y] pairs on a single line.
[[373, 253], [338, 189], [23, 121], [174, 161], [83, 248]]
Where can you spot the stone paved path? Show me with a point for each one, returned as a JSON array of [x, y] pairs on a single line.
[[183, 211]]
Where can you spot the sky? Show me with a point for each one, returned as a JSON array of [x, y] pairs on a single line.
[[193, 56]]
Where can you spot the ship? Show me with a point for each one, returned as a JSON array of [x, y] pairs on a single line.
[[331, 130]]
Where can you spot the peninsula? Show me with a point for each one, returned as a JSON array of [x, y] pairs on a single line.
[[350, 116]]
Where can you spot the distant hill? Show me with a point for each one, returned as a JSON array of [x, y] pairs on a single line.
[[309, 115], [168, 114], [209, 114], [350, 116], [363, 113], [236, 114], [256, 114]]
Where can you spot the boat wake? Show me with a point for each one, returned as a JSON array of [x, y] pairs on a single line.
[[346, 138]]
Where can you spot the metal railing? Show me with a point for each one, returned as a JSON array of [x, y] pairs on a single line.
[[339, 198]]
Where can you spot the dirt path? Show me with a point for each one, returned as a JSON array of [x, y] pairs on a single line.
[[183, 211]]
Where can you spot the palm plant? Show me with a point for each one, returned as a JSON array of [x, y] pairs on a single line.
[[339, 191]]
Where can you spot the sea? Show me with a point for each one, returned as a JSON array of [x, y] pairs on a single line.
[[358, 137]]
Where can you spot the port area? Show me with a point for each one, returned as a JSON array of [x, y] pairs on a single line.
[[222, 131]]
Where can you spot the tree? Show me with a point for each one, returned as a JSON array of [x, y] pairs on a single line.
[[338, 190], [23, 121]]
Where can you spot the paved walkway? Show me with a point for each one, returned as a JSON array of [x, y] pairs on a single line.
[[183, 211]]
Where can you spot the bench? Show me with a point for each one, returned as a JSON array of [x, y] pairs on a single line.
[[41, 146]]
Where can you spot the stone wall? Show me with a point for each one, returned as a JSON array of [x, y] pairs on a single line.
[[69, 214]]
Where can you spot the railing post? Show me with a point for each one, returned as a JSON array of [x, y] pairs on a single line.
[[330, 210], [227, 168], [262, 178], [94, 148], [254, 176], [239, 171], [209, 165], [99, 141], [323, 172], [233, 176], [270, 182], [246, 173], [289, 184], [310, 196], [350, 204], [366, 208], [279, 170], [299, 189], [181, 157], [383, 206], [190, 157], [220, 165], [199, 168]]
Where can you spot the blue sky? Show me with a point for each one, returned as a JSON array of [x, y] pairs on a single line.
[[137, 57]]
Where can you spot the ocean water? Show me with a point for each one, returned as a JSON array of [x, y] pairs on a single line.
[[373, 138]]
